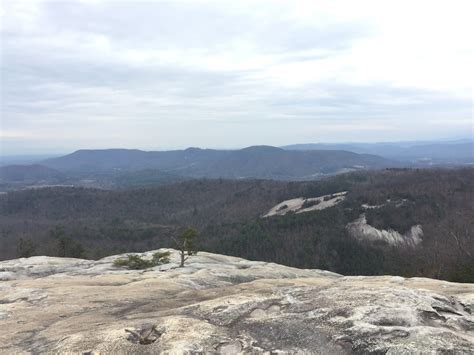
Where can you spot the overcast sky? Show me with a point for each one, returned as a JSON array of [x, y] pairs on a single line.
[[226, 74]]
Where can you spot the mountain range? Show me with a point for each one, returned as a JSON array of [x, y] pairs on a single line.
[[429, 152], [251, 162], [125, 168]]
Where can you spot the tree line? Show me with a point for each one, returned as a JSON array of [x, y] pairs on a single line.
[[95, 223]]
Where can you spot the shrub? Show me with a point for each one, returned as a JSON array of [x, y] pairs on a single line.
[[310, 203], [161, 257], [136, 262], [121, 262]]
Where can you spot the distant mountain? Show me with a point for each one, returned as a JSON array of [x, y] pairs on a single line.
[[29, 174], [24, 159], [252, 162], [130, 168], [133, 160], [276, 163], [457, 152], [437, 152]]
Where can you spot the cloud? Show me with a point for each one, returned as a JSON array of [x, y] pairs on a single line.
[[160, 74]]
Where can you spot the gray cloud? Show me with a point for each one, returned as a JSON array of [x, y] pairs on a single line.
[[174, 74]]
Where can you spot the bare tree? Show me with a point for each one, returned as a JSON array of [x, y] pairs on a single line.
[[186, 244]]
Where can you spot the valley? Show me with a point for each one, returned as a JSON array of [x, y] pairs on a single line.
[[426, 229]]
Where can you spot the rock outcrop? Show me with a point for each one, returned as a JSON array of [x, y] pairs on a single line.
[[362, 231], [301, 204], [222, 304]]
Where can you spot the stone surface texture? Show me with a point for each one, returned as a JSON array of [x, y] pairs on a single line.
[[360, 230], [222, 304]]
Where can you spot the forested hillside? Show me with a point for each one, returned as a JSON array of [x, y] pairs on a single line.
[[29, 174], [253, 162], [436, 152], [132, 168], [228, 214]]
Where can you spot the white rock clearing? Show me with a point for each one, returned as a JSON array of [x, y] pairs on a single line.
[[360, 230], [297, 205]]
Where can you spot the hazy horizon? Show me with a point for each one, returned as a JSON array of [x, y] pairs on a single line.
[[55, 153], [160, 75]]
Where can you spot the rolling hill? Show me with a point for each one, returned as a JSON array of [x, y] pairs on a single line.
[[251, 162], [436, 152], [30, 174]]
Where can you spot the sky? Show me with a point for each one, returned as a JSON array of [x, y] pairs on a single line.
[[160, 75]]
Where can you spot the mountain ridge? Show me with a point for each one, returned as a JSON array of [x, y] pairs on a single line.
[[458, 151], [250, 162], [29, 173]]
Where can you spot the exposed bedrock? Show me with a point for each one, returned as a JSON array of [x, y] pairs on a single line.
[[362, 231], [226, 305]]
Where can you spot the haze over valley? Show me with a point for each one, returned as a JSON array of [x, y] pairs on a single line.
[[121, 168]]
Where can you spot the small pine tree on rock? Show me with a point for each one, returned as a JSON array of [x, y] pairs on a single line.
[[186, 244]]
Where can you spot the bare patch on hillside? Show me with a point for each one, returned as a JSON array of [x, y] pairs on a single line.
[[301, 204], [363, 231]]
